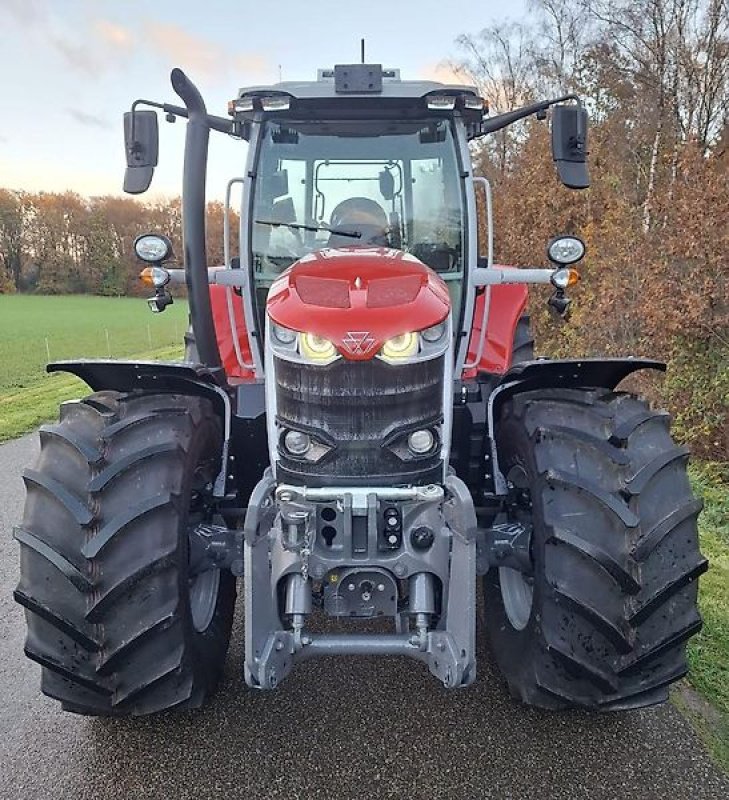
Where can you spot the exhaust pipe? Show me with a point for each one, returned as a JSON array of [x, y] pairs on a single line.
[[193, 219]]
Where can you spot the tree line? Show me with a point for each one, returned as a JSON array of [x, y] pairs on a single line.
[[654, 76], [61, 243]]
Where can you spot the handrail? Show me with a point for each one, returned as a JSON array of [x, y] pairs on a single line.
[[229, 289], [490, 262]]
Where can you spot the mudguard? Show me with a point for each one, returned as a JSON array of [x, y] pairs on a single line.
[[184, 378], [527, 376], [508, 303]]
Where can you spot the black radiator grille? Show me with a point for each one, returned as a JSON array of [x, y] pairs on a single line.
[[356, 407]]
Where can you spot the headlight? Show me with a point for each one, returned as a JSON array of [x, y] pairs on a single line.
[[566, 250], [403, 346], [152, 248], [302, 348], [436, 333], [283, 336], [421, 442], [302, 446], [422, 346], [316, 348], [416, 445], [297, 443]]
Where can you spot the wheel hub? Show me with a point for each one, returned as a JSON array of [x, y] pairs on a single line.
[[517, 585]]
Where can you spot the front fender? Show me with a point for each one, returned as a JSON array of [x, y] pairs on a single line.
[[528, 376], [173, 377]]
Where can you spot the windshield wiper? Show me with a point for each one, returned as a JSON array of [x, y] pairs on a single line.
[[299, 227]]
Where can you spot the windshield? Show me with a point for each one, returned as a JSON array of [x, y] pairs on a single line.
[[363, 183]]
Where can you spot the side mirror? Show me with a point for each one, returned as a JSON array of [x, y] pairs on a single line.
[[569, 145], [284, 210], [275, 185], [387, 184], [141, 143]]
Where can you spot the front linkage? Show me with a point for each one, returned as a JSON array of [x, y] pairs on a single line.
[[421, 551]]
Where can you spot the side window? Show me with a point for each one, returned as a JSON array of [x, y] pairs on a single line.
[[428, 200], [436, 214]]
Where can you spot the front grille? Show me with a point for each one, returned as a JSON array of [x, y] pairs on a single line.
[[358, 408]]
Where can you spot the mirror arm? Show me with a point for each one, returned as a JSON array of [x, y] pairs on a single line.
[[222, 124], [502, 120]]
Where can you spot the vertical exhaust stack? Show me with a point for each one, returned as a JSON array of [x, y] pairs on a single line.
[[193, 219]]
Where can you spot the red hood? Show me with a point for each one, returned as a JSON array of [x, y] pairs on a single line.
[[358, 298]]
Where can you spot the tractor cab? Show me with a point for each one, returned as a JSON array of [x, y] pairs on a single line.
[[325, 179], [358, 159]]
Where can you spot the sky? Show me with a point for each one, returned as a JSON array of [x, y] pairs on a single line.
[[70, 68]]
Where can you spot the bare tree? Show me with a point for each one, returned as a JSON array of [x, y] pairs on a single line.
[[563, 30]]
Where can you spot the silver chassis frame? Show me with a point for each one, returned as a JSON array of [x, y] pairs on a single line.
[[448, 648]]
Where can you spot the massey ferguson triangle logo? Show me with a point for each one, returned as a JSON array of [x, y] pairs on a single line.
[[358, 342]]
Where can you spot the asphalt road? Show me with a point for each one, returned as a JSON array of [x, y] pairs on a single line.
[[361, 728]]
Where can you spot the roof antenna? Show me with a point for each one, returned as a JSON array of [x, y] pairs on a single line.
[[362, 42]]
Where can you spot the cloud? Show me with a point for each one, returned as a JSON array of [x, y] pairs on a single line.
[[202, 56], [252, 64], [105, 44], [79, 56], [445, 72], [89, 120], [114, 35], [101, 44], [24, 11], [90, 50]]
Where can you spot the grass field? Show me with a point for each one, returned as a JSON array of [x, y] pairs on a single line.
[[709, 651], [35, 329]]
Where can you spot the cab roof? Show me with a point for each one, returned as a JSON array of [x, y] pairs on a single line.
[[352, 80], [359, 91]]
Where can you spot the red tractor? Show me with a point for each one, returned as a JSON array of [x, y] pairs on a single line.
[[359, 431]]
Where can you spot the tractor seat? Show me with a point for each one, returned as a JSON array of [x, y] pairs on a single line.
[[361, 215]]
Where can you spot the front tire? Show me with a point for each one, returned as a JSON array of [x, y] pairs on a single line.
[[603, 621], [114, 618]]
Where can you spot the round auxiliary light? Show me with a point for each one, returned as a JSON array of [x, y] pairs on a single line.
[[297, 443], [316, 348], [152, 247], [435, 333], [566, 250], [421, 442], [403, 346]]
